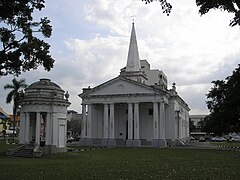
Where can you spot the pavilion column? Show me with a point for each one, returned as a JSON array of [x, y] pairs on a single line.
[[180, 128], [84, 129], [49, 129], [38, 126], [22, 126], [105, 125], [129, 142], [155, 124], [136, 141], [27, 127], [187, 126], [162, 126], [111, 141]]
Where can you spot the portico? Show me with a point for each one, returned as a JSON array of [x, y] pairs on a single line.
[[130, 120]]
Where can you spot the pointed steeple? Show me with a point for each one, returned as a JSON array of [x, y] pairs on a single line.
[[133, 61], [133, 68]]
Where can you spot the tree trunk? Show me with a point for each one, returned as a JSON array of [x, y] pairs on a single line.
[[14, 120]]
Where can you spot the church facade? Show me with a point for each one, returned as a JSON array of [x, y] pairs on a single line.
[[134, 109]]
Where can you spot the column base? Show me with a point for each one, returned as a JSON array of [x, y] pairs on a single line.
[[155, 142], [129, 143], [170, 143], [88, 142], [179, 142], [136, 143], [82, 142], [162, 142], [111, 142], [104, 142]]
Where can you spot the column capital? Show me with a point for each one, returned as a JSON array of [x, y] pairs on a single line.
[[136, 102]]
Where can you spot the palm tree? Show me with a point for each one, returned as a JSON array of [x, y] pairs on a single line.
[[15, 95]]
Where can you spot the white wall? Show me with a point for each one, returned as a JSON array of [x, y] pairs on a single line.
[[146, 122], [120, 118]]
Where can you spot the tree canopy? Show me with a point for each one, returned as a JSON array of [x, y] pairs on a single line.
[[231, 6], [166, 6], [20, 49], [75, 126], [224, 105]]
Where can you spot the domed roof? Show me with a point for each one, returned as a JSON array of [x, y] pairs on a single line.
[[45, 92], [44, 84]]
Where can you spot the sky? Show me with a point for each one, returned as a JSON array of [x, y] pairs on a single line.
[[90, 43]]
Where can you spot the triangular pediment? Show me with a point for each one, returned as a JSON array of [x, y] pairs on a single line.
[[120, 86]]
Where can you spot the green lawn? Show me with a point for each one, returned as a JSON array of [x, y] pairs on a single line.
[[124, 163]]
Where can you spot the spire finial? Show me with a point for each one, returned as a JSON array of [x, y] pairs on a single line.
[[133, 18]]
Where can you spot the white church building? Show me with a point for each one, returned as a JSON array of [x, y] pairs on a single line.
[[134, 109]]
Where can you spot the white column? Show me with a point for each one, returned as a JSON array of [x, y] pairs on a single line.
[[180, 128], [89, 121], [187, 134], [22, 128], [171, 122], [83, 133], [155, 120], [111, 134], [49, 129], [27, 127], [136, 121], [105, 123], [38, 126], [130, 121], [162, 121]]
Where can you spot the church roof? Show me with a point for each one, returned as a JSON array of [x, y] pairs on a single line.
[[133, 61], [89, 91]]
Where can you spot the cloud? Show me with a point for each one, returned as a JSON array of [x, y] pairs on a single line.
[[90, 43]]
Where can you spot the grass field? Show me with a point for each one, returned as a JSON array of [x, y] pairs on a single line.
[[124, 163]]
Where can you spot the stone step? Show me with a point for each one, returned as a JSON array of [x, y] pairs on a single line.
[[24, 152]]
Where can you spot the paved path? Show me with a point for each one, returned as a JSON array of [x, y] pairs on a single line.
[[204, 145], [207, 145]]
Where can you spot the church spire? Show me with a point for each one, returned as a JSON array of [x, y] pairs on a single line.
[[133, 61]]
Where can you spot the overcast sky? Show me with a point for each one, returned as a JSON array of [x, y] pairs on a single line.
[[90, 43]]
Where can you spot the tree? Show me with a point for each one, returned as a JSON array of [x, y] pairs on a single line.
[[192, 127], [224, 105], [15, 95], [201, 125], [75, 127], [5, 123], [166, 7], [20, 49], [231, 6]]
